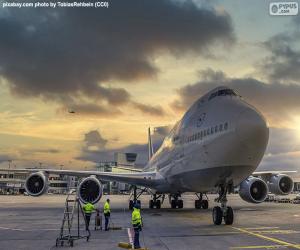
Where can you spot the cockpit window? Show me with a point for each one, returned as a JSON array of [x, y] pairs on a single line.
[[222, 92]]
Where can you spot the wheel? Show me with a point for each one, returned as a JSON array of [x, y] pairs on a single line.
[[151, 204], [62, 243], [71, 243], [130, 204], [197, 204], [217, 215], [180, 203], [87, 238], [204, 204], [56, 243], [173, 204], [158, 204], [229, 216]]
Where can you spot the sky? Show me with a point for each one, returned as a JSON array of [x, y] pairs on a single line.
[[136, 64]]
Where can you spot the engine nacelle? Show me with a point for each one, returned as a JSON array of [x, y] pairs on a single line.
[[253, 190], [36, 184], [90, 190], [280, 184]]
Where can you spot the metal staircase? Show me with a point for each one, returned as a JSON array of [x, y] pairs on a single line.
[[73, 210]]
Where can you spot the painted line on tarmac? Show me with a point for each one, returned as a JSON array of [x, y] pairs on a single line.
[[28, 230], [280, 242], [276, 232], [259, 247], [259, 228]]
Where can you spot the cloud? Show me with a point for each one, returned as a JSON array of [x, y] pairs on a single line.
[[280, 162], [65, 55], [148, 109], [93, 152], [284, 62], [6, 158], [277, 101], [95, 140]]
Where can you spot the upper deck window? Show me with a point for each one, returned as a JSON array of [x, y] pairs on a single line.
[[222, 92]]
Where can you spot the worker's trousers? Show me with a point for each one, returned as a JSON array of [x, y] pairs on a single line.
[[106, 221], [137, 238], [88, 218]]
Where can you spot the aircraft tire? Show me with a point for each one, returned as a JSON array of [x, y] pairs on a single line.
[[173, 204], [151, 204], [180, 203], [229, 216], [158, 204], [197, 204], [217, 215], [204, 204]]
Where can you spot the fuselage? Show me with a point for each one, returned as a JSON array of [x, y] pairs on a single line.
[[220, 139]]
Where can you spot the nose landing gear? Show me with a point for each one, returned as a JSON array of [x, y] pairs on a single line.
[[222, 212]]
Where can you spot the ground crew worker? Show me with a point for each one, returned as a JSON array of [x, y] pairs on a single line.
[[106, 212], [88, 208], [136, 221]]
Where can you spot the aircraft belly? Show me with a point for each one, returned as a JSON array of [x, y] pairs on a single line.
[[206, 179]]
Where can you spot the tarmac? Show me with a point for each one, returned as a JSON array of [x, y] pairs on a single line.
[[34, 223]]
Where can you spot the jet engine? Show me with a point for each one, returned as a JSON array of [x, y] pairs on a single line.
[[253, 190], [90, 190], [280, 184], [36, 184]]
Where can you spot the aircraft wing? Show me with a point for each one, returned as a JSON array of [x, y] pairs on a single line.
[[262, 173], [146, 179]]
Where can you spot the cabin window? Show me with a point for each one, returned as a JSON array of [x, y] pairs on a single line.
[[221, 127], [226, 126]]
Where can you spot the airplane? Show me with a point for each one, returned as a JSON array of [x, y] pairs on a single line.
[[216, 146]]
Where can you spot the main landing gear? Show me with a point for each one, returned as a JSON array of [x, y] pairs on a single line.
[[155, 202], [222, 212], [135, 194], [201, 203], [175, 201]]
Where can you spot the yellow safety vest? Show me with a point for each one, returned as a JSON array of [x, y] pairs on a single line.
[[136, 218], [106, 208], [88, 208]]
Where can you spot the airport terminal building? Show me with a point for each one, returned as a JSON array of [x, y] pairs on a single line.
[[14, 183]]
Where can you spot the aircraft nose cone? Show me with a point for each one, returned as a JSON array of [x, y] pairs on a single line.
[[252, 130]]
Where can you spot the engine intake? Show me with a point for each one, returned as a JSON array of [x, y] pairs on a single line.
[[36, 184], [90, 190], [253, 190], [280, 184]]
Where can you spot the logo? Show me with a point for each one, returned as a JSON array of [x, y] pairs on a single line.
[[201, 119], [283, 8]]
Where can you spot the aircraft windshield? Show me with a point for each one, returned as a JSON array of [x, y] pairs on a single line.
[[222, 92]]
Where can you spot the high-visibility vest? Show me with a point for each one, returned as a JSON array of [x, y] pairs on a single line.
[[88, 208], [136, 218], [106, 208]]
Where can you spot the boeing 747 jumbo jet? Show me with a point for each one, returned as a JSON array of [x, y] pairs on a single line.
[[217, 145]]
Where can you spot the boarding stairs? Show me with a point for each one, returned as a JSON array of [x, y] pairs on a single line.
[[70, 230]]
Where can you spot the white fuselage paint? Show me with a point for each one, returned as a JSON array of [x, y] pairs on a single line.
[[220, 139]]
